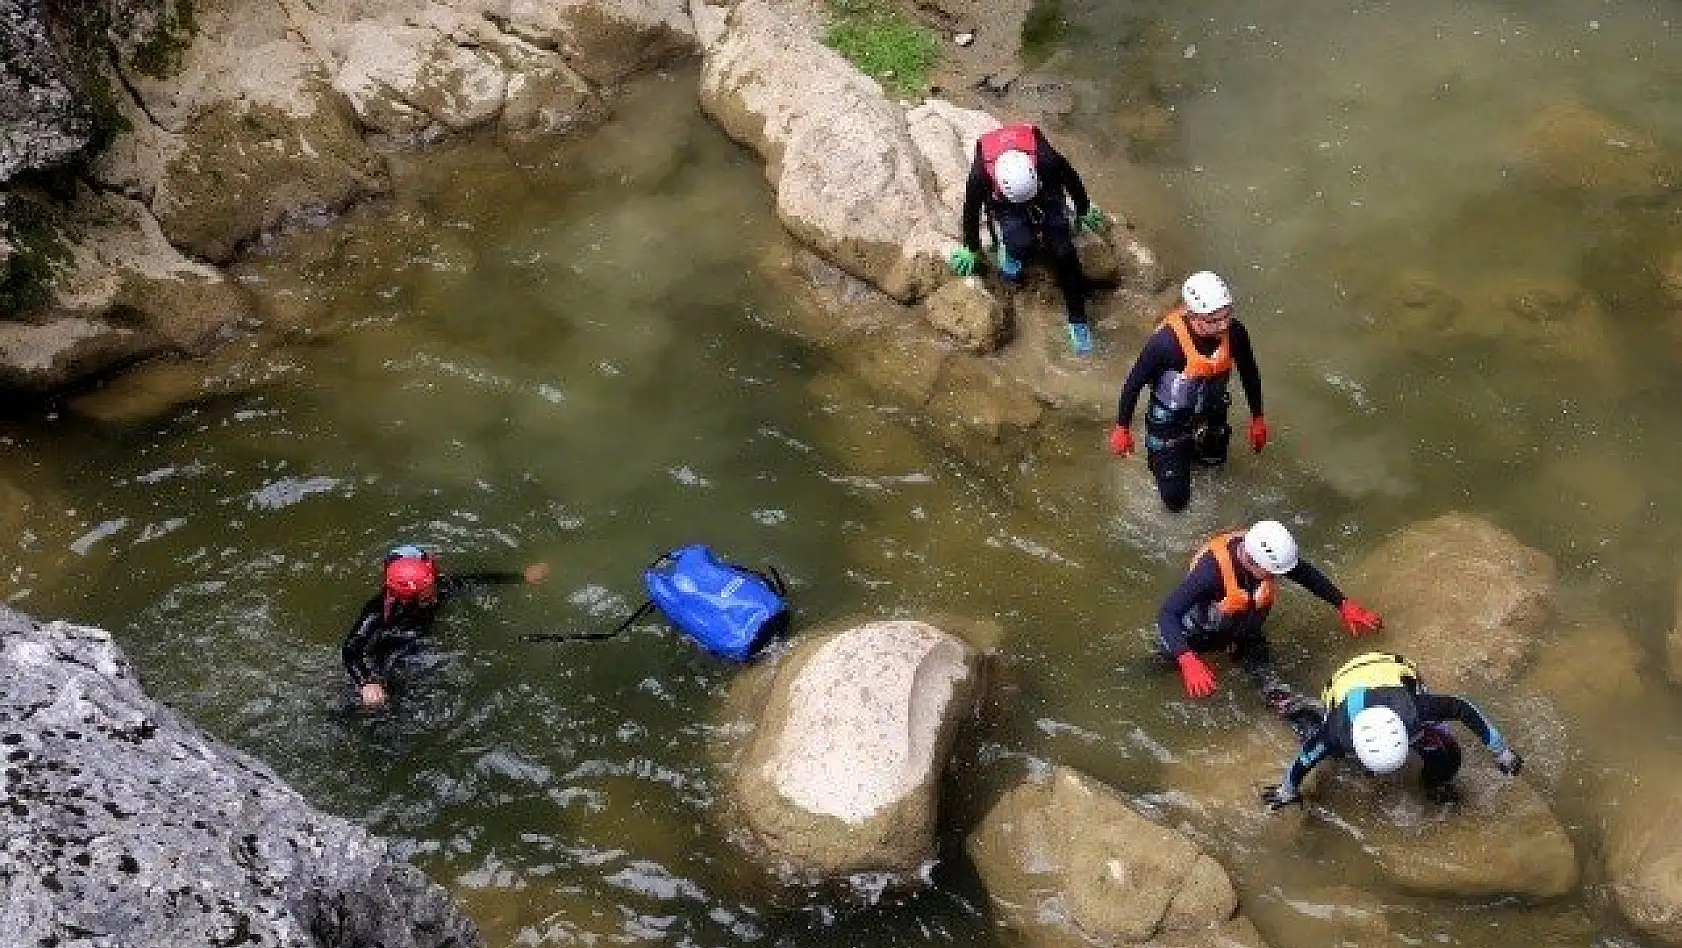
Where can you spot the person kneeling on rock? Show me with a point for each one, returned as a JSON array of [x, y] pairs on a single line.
[[1379, 711], [1024, 185], [393, 622]]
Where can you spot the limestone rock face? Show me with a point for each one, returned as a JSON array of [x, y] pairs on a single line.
[[41, 123], [851, 182], [603, 40], [130, 825], [1479, 630], [842, 773], [1069, 862]]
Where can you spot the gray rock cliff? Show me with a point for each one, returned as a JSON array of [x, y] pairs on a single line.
[[126, 825]]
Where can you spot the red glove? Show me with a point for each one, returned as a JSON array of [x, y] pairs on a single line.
[[1258, 433], [1198, 679], [1358, 619], [1121, 441]]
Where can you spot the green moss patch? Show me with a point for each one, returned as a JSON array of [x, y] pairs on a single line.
[[883, 42], [159, 54], [32, 227]]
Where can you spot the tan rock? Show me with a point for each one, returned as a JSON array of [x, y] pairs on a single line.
[[1068, 862], [242, 168], [1475, 633], [403, 79], [850, 181], [968, 312], [1569, 145], [842, 772], [125, 270], [42, 358], [603, 40]]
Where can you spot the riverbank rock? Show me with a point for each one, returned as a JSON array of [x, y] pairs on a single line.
[[842, 772], [127, 825], [849, 181], [1070, 863], [41, 122], [1462, 598], [605, 41]]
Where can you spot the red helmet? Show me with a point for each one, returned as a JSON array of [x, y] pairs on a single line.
[[412, 579]]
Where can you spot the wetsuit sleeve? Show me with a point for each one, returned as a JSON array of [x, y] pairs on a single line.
[[1317, 748], [1452, 708], [1201, 585], [1309, 577], [1160, 353], [975, 193], [1248, 372], [455, 584], [1057, 171], [357, 650]]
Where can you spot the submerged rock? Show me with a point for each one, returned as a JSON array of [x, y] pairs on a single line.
[[1070, 863], [842, 773], [127, 825]]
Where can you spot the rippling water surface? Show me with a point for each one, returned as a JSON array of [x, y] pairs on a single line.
[[565, 358]]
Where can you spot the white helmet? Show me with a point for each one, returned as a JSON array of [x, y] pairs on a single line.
[[1204, 292], [1017, 178], [1271, 546], [1381, 740]]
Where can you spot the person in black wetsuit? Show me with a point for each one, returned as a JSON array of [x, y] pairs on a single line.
[[1187, 363], [1024, 184], [1223, 602], [394, 621], [1379, 711]]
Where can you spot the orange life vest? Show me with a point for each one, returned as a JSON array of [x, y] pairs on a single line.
[[1198, 365], [1235, 601], [1007, 138]]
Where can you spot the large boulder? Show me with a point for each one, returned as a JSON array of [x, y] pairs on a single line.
[[1478, 630], [850, 181], [1069, 863], [1500, 839], [1641, 819], [842, 772], [127, 825]]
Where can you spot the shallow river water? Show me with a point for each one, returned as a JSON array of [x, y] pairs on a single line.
[[569, 358]]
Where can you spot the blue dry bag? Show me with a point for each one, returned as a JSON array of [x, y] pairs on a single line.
[[731, 610]]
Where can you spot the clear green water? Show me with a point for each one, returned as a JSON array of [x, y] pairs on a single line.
[[566, 359]]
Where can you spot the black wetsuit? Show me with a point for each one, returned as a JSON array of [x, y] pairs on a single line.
[[1188, 621], [377, 643], [1173, 440], [1041, 222], [1425, 716]]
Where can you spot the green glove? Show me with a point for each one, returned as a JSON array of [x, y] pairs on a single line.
[[1093, 219], [962, 261]]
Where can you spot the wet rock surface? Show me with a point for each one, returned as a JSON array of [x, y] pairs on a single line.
[[852, 735], [127, 825], [1069, 862]]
